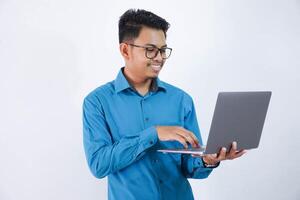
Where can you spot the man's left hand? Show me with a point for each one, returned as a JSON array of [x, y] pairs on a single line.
[[213, 159]]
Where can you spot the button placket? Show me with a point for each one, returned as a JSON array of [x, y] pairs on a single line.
[[146, 118], [143, 110]]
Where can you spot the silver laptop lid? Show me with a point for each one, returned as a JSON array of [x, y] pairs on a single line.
[[238, 116]]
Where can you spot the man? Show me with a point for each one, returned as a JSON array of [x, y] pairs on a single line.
[[126, 120]]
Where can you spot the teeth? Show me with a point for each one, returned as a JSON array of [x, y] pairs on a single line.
[[156, 66]]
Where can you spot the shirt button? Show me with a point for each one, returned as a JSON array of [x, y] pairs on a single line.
[[151, 142], [160, 181], [155, 161], [146, 119]]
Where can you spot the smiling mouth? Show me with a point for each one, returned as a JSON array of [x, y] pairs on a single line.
[[156, 67]]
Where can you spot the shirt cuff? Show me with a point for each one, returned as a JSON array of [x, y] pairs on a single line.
[[147, 139], [195, 163]]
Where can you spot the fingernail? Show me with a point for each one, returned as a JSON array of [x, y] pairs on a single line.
[[223, 149]]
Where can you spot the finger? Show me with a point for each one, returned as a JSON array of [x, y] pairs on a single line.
[[240, 153], [190, 137], [210, 158], [180, 139], [237, 154], [222, 154], [187, 138], [214, 155], [233, 149], [191, 134]]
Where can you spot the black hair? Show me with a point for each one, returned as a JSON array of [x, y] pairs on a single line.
[[132, 21]]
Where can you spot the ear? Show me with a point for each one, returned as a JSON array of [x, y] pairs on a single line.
[[124, 50]]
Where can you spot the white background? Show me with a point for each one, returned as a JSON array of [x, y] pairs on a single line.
[[52, 53]]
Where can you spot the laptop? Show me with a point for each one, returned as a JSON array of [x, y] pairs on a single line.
[[238, 116]]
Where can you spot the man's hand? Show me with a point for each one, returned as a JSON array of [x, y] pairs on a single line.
[[213, 159], [180, 134]]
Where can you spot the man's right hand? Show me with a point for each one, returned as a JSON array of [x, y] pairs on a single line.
[[177, 133]]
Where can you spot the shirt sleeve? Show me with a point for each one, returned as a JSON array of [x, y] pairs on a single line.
[[103, 155], [192, 167]]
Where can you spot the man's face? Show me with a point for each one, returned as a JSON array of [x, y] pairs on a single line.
[[138, 63]]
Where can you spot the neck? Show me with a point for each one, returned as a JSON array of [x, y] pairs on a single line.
[[142, 85]]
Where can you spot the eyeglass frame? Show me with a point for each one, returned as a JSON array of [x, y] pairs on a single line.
[[159, 50]]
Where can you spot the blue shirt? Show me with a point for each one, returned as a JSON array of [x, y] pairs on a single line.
[[120, 140]]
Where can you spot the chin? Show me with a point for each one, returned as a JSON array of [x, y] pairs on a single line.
[[153, 75]]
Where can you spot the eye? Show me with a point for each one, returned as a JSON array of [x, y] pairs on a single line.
[[151, 49]]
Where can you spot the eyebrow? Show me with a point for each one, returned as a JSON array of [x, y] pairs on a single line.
[[153, 45]]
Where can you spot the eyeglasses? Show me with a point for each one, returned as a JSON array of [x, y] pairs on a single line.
[[151, 52]]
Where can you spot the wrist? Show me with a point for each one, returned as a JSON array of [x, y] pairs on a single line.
[[209, 165]]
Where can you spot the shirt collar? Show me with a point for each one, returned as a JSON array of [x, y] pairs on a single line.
[[121, 83]]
